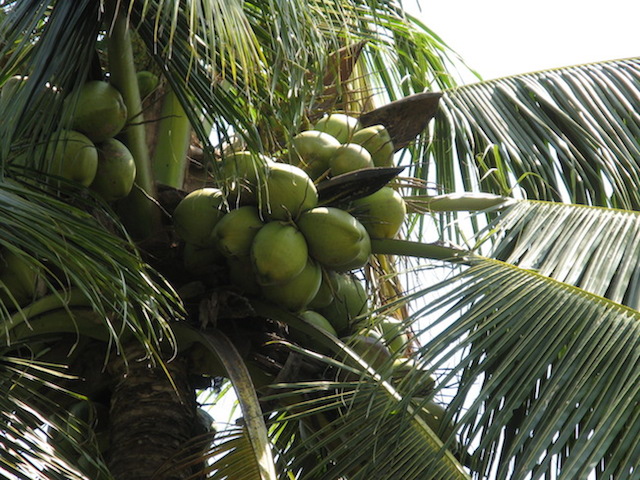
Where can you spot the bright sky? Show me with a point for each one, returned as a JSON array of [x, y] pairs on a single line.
[[506, 37]]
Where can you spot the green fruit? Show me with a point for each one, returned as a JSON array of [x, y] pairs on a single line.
[[287, 191], [350, 302], [97, 110], [382, 213], [243, 172], [335, 238], [313, 150], [369, 348], [147, 82], [338, 125], [200, 260], [197, 214], [116, 170], [434, 413], [73, 156], [18, 280], [377, 141], [326, 291], [319, 321], [393, 333], [350, 157], [279, 253], [296, 293], [242, 275], [236, 230]]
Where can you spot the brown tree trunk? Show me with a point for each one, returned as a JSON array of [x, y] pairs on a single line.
[[152, 417]]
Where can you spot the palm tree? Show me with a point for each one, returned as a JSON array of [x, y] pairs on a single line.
[[528, 341]]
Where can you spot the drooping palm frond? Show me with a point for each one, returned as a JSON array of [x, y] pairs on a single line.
[[567, 134], [545, 375], [27, 425], [593, 248], [69, 249]]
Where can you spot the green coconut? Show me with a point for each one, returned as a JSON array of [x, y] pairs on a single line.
[[312, 150], [335, 238], [286, 192], [296, 293], [236, 230], [278, 253], [382, 213], [338, 125], [73, 156], [349, 158], [197, 214], [116, 170], [377, 141], [96, 109], [350, 302]]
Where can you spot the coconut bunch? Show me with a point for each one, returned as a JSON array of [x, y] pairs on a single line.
[[266, 224], [84, 149]]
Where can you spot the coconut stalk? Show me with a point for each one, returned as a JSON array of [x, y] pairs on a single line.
[[173, 137], [138, 210]]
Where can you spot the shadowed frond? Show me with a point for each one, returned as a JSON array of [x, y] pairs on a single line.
[[545, 374]]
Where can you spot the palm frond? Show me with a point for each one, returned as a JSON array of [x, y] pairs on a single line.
[[593, 248], [33, 442], [545, 375], [568, 134], [71, 249]]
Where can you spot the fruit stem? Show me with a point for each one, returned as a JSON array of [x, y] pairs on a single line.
[[138, 211], [174, 133]]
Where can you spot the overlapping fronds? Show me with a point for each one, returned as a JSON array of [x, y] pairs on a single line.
[[545, 374], [70, 249], [593, 248], [27, 425], [568, 134]]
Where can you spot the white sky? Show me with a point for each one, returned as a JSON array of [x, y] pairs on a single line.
[[506, 37]]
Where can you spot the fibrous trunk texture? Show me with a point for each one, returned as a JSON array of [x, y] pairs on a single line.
[[152, 417]]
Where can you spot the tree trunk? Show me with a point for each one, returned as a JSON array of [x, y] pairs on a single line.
[[152, 417]]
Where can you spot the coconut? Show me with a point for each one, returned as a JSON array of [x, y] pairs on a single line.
[[393, 333], [350, 302], [334, 237], [377, 141], [242, 172], [236, 230], [296, 294], [73, 156], [312, 151], [338, 125], [147, 82], [350, 157], [278, 253], [116, 170], [96, 109], [286, 192], [382, 213], [19, 280], [197, 214], [200, 260]]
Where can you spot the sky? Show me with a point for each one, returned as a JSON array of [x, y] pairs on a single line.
[[506, 37]]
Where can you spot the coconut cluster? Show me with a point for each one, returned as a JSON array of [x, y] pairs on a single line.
[[278, 242], [84, 149]]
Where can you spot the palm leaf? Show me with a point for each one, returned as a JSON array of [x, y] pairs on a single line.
[[27, 426], [593, 248], [565, 134], [545, 374]]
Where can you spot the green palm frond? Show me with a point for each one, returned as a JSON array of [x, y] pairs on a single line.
[[71, 249], [593, 248], [28, 430], [545, 375], [566, 134]]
